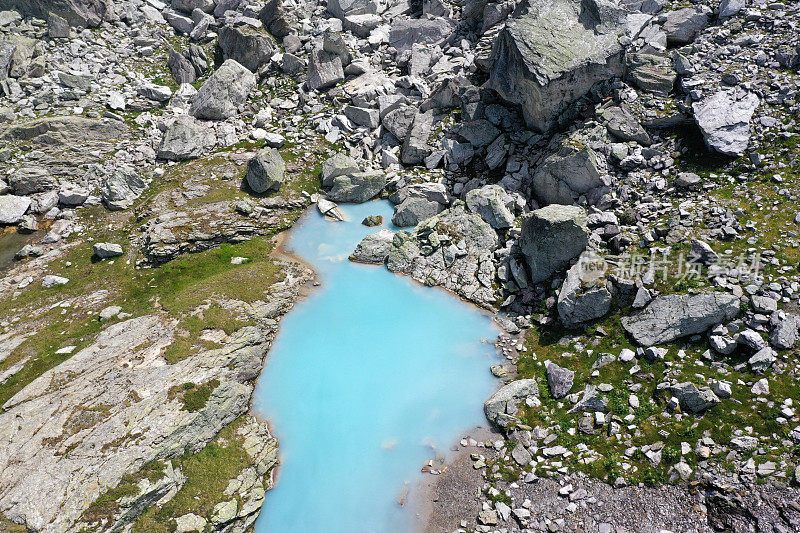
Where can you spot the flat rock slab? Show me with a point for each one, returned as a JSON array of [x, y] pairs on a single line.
[[724, 119], [674, 316]]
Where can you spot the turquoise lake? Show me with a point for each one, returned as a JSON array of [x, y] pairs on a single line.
[[369, 377]]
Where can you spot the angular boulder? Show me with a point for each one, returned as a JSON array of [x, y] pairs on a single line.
[[559, 380], [266, 171], [374, 248], [324, 70], [416, 147], [652, 73], [566, 175], [122, 186], [13, 208], [32, 180], [186, 138], [246, 45], [404, 33], [357, 187], [501, 406], [692, 399], [671, 317], [584, 295], [786, 334], [337, 165], [414, 210], [493, 204], [77, 12], [551, 238], [224, 92], [552, 53], [343, 8], [105, 250], [683, 25], [724, 119]]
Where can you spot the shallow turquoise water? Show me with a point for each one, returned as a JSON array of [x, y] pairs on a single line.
[[369, 377]]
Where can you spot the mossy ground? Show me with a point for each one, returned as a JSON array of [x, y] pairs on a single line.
[[207, 475]]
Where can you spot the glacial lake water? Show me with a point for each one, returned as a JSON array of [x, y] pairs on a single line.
[[369, 377]]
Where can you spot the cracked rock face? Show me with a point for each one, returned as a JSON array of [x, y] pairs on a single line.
[[671, 317], [551, 53]]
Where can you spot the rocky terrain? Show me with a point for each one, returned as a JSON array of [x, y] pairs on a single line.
[[616, 180]]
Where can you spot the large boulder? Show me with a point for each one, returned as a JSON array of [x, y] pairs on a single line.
[[276, 18], [405, 33], [692, 399], [249, 46], [493, 204], [343, 8], [224, 92], [551, 238], [683, 25], [122, 186], [77, 12], [584, 295], [502, 405], [374, 248], [357, 187], [32, 180], [66, 130], [324, 70], [265, 172], [186, 138], [13, 208], [566, 175], [414, 210], [559, 379], [671, 317], [181, 68], [337, 165], [550, 54], [416, 147], [786, 333], [724, 119], [652, 73]]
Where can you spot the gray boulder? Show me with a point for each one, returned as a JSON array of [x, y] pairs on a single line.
[[551, 238], [181, 68], [186, 138], [105, 250], [374, 248], [622, 125], [57, 27], [693, 400], [414, 210], [13, 208], [343, 8], [501, 406], [493, 204], [266, 171], [652, 73], [122, 186], [566, 175], [224, 92], [671, 317], [357, 187], [187, 6], [729, 8], [559, 380], [683, 25], [337, 165], [786, 334], [277, 19], [324, 70], [762, 360], [724, 119], [81, 13], [32, 180], [404, 33], [416, 147], [584, 295], [591, 402], [246, 45], [550, 54], [398, 121]]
